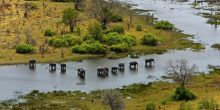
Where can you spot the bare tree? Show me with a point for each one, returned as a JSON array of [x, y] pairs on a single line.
[[181, 72], [102, 10], [113, 99]]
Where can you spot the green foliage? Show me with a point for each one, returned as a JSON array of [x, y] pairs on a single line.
[[138, 28], [116, 18], [65, 41], [182, 94], [49, 32], [95, 30], [149, 39], [93, 48], [69, 15], [150, 106], [24, 49], [116, 38], [117, 28], [206, 104], [120, 48], [164, 25]]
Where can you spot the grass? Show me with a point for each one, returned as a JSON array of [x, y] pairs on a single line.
[[203, 86], [42, 19]]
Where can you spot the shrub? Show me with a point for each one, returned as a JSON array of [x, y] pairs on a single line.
[[130, 40], [24, 48], [95, 30], [120, 48], [164, 25], [150, 106], [93, 48], [66, 41], [112, 38], [116, 38], [49, 32], [117, 28], [116, 18], [138, 28], [149, 39], [206, 104], [182, 94]]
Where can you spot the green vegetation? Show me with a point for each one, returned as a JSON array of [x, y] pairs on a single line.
[[182, 94], [92, 48], [49, 32], [149, 39], [24, 49], [120, 48], [119, 29], [115, 38], [139, 28], [164, 25], [65, 41]]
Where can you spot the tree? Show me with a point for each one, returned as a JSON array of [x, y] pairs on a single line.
[[113, 99], [181, 72], [95, 30], [102, 11], [70, 18]]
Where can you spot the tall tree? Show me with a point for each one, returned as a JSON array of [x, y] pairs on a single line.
[[70, 17], [181, 72]]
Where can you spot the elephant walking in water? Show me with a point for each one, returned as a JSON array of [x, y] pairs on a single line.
[[81, 73], [133, 65], [102, 71]]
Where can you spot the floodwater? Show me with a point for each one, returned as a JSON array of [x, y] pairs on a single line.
[[19, 79]]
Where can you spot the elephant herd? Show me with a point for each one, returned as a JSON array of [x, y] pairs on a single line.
[[101, 71]]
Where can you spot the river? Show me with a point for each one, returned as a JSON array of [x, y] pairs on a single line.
[[19, 79]]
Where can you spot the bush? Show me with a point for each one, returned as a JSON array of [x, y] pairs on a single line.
[[206, 104], [112, 38], [149, 39], [119, 29], [49, 32], [24, 48], [116, 38], [138, 28], [116, 18], [93, 48], [164, 25], [120, 48], [66, 41], [130, 40], [95, 30], [182, 94], [150, 106]]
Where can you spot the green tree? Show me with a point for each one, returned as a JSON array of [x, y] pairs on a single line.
[[70, 18]]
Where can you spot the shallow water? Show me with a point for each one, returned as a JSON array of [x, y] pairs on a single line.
[[19, 79]]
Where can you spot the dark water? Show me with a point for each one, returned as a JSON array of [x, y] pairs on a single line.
[[15, 80]]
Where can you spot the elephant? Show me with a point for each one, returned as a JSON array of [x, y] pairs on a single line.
[[133, 65], [81, 73]]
